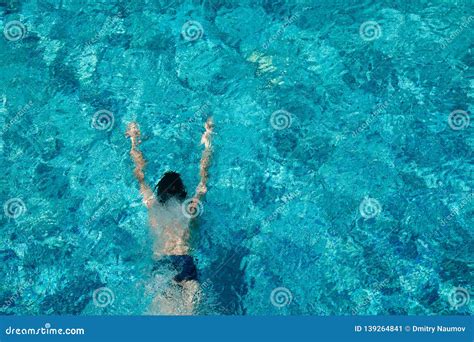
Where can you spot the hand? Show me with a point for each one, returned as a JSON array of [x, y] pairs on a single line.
[[206, 137], [209, 125], [132, 130]]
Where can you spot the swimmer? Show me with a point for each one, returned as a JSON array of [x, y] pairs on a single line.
[[170, 226]]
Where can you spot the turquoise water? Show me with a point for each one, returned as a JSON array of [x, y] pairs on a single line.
[[342, 175]]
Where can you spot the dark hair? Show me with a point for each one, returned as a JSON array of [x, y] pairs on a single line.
[[170, 185]]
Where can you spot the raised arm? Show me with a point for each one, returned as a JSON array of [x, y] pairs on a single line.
[[205, 161], [133, 131]]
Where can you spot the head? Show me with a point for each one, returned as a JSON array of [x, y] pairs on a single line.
[[169, 186]]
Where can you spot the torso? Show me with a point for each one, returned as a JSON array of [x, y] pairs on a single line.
[[171, 229]]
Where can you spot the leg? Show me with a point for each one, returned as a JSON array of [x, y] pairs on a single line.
[[177, 299], [190, 295]]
